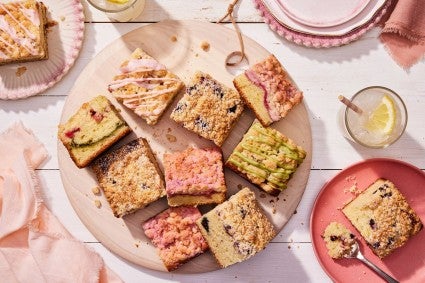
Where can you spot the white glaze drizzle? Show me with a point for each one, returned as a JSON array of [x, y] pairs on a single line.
[[30, 34], [30, 14], [24, 42]]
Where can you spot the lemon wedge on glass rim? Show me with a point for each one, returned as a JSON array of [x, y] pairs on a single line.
[[383, 117]]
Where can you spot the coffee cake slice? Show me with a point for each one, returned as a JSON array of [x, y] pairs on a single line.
[[383, 217], [208, 108], [267, 89], [194, 177], [129, 177], [23, 35], [338, 240], [266, 158], [176, 236], [237, 229], [145, 86]]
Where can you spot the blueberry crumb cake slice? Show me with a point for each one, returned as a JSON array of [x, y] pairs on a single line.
[[338, 240]]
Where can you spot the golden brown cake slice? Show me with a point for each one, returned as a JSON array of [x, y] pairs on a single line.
[[130, 177], [145, 86], [208, 108], [95, 127], [267, 90], [236, 229], [194, 176], [383, 217], [22, 32], [266, 158], [338, 240]]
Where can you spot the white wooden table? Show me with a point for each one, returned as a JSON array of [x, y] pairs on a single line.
[[322, 74]]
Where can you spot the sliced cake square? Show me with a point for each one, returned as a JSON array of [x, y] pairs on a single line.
[[145, 86], [383, 217], [266, 158], [267, 90], [208, 108], [95, 127], [236, 229], [130, 177], [194, 176], [23, 36], [176, 236]]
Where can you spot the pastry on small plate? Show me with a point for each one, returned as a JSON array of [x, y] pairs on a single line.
[[95, 127], [129, 176], [194, 176], [267, 89], [208, 108], [145, 86], [23, 34]]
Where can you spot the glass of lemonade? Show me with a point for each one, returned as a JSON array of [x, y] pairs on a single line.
[[119, 10], [382, 120]]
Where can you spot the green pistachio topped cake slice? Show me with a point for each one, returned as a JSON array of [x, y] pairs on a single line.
[[266, 158]]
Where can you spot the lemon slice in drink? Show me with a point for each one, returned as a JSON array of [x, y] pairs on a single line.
[[383, 117], [118, 1]]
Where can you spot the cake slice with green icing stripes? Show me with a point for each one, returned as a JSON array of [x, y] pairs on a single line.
[[266, 158]]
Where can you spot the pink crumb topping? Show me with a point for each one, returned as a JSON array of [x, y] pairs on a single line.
[[175, 233], [194, 172]]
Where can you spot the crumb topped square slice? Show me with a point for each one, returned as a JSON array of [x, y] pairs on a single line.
[[267, 89], [23, 36], [208, 108], [130, 177], [94, 127], [236, 229], [176, 236], [383, 217], [145, 86], [194, 176], [266, 158]]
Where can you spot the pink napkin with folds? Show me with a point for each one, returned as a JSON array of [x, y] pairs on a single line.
[[403, 33], [34, 245]]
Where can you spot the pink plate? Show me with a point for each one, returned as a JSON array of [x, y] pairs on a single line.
[[324, 13], [406, 264], [64, 40]]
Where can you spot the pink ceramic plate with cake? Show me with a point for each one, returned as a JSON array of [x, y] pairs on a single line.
[[347, 186]]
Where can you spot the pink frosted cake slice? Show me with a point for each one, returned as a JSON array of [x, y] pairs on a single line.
[[194, 176], [175, 234], [145, 86], [267, 90]]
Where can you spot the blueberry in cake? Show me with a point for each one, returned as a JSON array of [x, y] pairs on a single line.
[[266, 158], [267, 90], [236, 229], [95, 127], [383, 217], [194, 176], [338, 240], [129, 177], [208, 108], [145, 86], [23, 35], [176, 236]]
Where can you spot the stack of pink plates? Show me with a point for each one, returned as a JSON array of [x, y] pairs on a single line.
[[324, 23]]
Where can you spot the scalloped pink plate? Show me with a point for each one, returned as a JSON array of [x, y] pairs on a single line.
[[323, 13], [64, 39], [406, 264]]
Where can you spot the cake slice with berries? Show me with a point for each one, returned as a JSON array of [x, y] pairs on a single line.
[[208, 108], [95, 127], [267, 89], [383, 217], [338, 239], [236, 229], [145, 86], [194, 176]]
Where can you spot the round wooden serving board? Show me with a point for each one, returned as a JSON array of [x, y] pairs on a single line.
[[183, 56]]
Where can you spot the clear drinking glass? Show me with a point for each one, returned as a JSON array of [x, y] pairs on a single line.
[[355, 126], [119, 12]]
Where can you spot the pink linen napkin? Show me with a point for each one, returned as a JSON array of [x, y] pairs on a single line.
[[403, 33], [34, 245]]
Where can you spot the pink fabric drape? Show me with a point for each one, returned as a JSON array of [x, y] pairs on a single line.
[[34, 245]]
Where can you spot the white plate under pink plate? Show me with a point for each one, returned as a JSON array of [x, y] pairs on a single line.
[[64, 38]]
